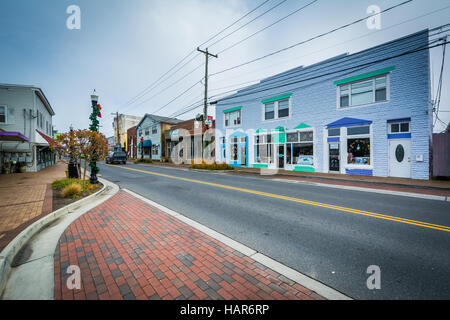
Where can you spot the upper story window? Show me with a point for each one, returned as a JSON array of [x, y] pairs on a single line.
[[232, 118], [140, 132], [277, 109], [147, 131], [3, 114], [399, 127], [154, 130], [362, 92]]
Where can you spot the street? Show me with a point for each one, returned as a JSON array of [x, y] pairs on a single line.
[[298, 226]]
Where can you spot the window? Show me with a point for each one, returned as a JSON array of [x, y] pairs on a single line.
[[283, 108], [154, 130], [354, 131], [300, 148], [233, 118], [334, 132], [358, 151], [264, 149], [363, 92], [147, 131], [269, 111], [277, 110], [140, 132], [400, 127], [154, 150], [3, 114]]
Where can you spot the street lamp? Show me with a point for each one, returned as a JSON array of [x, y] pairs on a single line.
[[94, 127]]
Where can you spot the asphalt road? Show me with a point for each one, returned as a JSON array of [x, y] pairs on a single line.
[[332, 246]]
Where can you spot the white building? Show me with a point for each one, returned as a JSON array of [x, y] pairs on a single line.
[[125, 122], [25, 127]]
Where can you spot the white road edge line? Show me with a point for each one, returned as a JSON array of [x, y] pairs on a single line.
[[303, 280], [382, 191]]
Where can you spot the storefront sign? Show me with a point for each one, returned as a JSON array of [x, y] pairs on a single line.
[[305, 160]]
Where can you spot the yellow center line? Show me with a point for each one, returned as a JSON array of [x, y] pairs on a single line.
[[303, 201]]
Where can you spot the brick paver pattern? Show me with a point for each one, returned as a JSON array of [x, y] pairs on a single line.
[[128, 249], [24, 198]]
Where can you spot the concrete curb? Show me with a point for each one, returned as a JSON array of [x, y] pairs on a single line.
[[303, 280], [8, 254], [353, 181]]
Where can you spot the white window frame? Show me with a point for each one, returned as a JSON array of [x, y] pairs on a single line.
[[399, 123], [292, 166], [234, 125], [6, 113], [344, 145], [388, 92], [275, 110], [261, 134], [155, 129]]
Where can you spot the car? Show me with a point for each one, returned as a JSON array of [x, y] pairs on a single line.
[[116, 157]]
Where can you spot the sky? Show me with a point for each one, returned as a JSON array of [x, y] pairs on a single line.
[[123, 47]]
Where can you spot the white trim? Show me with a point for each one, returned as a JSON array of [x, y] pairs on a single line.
[[275, 111], [399, 128], [234, 125], [388, 93]]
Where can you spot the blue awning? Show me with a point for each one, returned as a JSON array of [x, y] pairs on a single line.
[[147, 143], [348, 122]]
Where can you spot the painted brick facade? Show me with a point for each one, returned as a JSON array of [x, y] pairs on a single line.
[[314, 101]]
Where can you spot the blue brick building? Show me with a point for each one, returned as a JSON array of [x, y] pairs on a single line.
[[366, 113]]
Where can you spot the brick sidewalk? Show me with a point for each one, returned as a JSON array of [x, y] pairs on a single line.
[[128, 249], [25, 198]]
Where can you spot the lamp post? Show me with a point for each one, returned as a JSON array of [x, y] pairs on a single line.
[[94, 127], [73, 172]]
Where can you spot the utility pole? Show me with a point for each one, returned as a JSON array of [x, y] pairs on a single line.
[[205, 106]]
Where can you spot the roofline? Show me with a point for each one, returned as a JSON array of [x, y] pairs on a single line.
[[302, 68], [151, 115], [37, 90]]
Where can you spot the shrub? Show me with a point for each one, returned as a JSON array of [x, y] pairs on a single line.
[[213, 166], [62, 183], [71, 191]]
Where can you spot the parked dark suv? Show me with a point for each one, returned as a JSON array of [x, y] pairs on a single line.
[[116, 157]]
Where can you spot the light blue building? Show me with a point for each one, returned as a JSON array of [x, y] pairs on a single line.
[[150, 135], [366, 113]]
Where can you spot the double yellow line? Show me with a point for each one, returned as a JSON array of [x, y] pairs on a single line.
[[313, 203]]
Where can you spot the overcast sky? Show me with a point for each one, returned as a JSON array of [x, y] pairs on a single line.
[[124, 46]]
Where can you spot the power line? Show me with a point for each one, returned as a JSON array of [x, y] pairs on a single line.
[[177, 96], [276, 79], [270, 25], [350, 40], [310, 39], [257, 17], [151, 86]]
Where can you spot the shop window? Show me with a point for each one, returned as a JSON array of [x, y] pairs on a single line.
[[3, 114], [292, 137], [363, 92], [264, 149], [301, 153], [358, 151], [334, 132], [234, 152], [233, 118]]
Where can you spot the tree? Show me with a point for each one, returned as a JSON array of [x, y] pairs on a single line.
[[81, 144]]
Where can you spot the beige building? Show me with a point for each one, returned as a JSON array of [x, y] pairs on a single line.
[[125, 122]]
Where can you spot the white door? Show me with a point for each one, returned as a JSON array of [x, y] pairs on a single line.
[[400, 158]]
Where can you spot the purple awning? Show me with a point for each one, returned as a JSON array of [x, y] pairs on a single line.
[[13, 136]]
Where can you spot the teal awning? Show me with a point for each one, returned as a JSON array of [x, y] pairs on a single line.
[[232, 109], [284, 96], [147, 143], [365, 75]]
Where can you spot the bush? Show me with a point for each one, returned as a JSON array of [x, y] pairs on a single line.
[[71, 191], [143, 161], [213, 166], [62, 183]]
